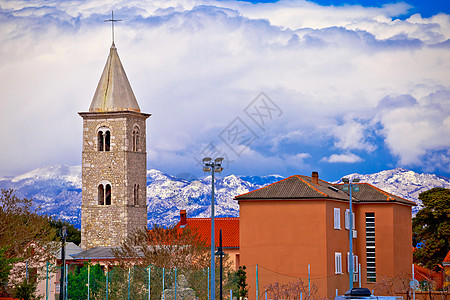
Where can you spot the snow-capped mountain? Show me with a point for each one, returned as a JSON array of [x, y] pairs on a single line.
[[167, 195], [57, 190], [403, 183]]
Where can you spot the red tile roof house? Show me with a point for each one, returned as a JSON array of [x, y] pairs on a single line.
[[230, 233], [301, 221], [436, 279], [446, 265]]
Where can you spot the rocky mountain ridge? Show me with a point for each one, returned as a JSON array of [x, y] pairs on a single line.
[[57, 190]]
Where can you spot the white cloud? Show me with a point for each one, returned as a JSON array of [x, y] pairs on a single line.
[[352, 135], [342, 158], [195, 65], [415, 133]]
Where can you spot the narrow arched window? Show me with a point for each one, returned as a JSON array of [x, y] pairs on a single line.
[[108, 194], [137, 195], [135, 145], [100, 141], [107, 140], [101, 195], [103, 139]]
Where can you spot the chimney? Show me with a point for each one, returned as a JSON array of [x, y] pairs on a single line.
[[183, 221], [315, 177]]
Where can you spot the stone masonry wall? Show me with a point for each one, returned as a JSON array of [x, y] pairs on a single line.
[[109, 225]]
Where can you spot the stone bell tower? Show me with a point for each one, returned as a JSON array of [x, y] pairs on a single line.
[[114, 161]]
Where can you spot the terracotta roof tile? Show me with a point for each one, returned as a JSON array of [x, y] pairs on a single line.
[[370, 193], [229, 226], [447, 259], [295, 187], [421, 274], [301, 187]]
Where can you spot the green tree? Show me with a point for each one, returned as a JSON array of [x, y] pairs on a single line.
[[431, 228], [22, 231], [73, 233], [6, 264], [25, 290], [77, 287], [242, 282], [169, 248]]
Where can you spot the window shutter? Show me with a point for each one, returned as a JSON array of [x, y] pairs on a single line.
[[337, 263], [347, 221], [348, 262], [353, 220], [337, 218]]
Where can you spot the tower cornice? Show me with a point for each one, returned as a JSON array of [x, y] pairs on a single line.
[[113, 114]]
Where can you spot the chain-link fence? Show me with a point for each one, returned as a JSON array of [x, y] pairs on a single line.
[[95, 281], [265, 283]]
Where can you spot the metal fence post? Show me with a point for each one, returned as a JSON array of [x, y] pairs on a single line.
[[359, 274], [46, 283], [89, 274], [175, 283], [257, 283], [149, 278], [107, 275], [309, 278], [66, 283], [129, 283], [414, 290], [163, 286]]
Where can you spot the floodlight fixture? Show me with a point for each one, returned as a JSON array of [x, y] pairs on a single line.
[[349, 186], [218, 160], [213, 167]]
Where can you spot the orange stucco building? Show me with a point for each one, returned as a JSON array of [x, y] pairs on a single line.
[[301, 221]]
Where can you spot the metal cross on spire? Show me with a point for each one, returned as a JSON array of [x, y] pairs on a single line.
[[112, 20]]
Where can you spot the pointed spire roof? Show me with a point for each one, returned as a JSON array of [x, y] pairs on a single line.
[[114, 91]]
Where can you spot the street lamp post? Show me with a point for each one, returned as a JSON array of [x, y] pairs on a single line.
[[349, 185], [220, 253], [213, 167], [62, 289]]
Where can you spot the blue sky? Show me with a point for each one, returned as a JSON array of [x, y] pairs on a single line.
[[284, 87], [425, 8]]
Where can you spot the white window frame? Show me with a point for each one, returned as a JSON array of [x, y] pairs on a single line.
[[337, 263], [337, 218], [347, 221], [355, 263]]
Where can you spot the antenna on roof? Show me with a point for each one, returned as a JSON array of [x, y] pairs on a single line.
[[112, 20]]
